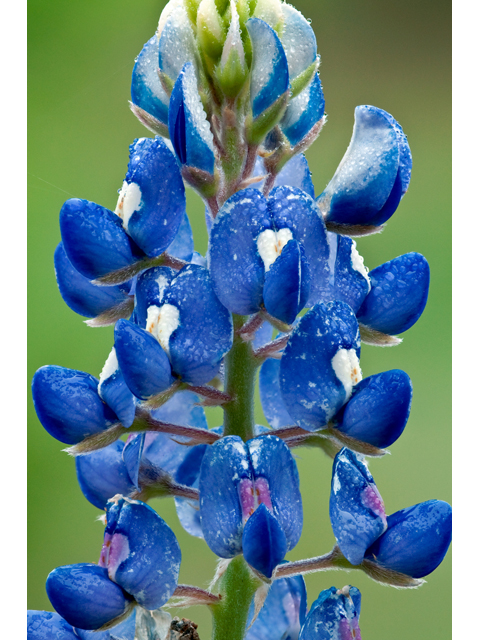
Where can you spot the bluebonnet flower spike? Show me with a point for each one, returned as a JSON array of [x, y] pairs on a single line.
[[416, 539], [373, 175], [334, 616], [357, 513]]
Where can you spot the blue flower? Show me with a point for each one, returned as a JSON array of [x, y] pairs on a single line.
[[373, 175], [416, 539], [45, 625], [250, 500], [334, 616], [357, 513], [182, 330]]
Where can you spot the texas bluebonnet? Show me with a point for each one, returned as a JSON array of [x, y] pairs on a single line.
[[230, 89]]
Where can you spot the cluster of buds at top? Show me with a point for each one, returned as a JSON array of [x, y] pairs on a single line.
[[231, 90]]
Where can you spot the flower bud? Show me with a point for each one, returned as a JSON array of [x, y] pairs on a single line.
[[334, 616]]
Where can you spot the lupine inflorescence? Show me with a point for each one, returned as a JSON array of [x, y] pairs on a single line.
[[230, 89]]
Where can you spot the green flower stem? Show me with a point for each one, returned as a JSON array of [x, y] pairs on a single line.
[[237, 586], [240, 369]]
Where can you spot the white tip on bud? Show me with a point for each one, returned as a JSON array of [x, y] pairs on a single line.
[[233, 41]]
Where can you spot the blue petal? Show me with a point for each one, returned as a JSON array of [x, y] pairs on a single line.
[[151, 286], [79, 293], [205, 331], [188, 473], [357, 513], [176, 45], [182, 245], [144, 364], [102, 474], [271, 396], [294, 209], [144, 556], [333, 616], [348, 277], [84, 595], [68, 405], [220, 508], [147, 90], [269, 72], [287, 283], [271, 459], [326, 338], [298, 40], [94, 239], [236, 267], [283, 612], [296, 173], [114, 391], [45, 625], [416, 540], [153, 205], [367, 174], [303, 112], [132, 454], [188, 125], [264, 543], [123, 631], [398, 296], [182, 409], [378, 409]]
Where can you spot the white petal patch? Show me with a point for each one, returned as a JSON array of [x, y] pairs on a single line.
[[270, 244], [357, 263], [195, 107], [129, 201], [346, 366], [110, 366], [162, 322]]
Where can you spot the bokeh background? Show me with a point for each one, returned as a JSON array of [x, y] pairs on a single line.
[[393, 55]]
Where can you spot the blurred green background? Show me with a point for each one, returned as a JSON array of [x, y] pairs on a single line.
[[393, 55]]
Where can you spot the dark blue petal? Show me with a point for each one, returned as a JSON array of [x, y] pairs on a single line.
[[79, 293], [287, 283], [147, 90], [151, 286], [303, 112], [45, 625], [333, 616], [367, 174], [348, 277], [416, 540], [152, 199], [298, 40], [188, 473], [320, 364], [123, 631], [144, 364], [398, 296], [283, 612], [205, 330], [269, 72], [84, 595], [114, 391], [182, 245], [357, 512], [188, 125], [293, 209], [176, 44], [378, 410], [143, 555], [68, 405], [224, 464], [263, 541], [94, 239], [271, 396], [236, 268], [132, 454], [271, 459], [102, 474]]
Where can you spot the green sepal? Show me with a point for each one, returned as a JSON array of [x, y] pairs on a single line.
[[298, 84], [166, 82], [232, 76], [211, 31], [148, 121], [222, 6], [191, 7], [270, 11], [257, 129], [237, 587]]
